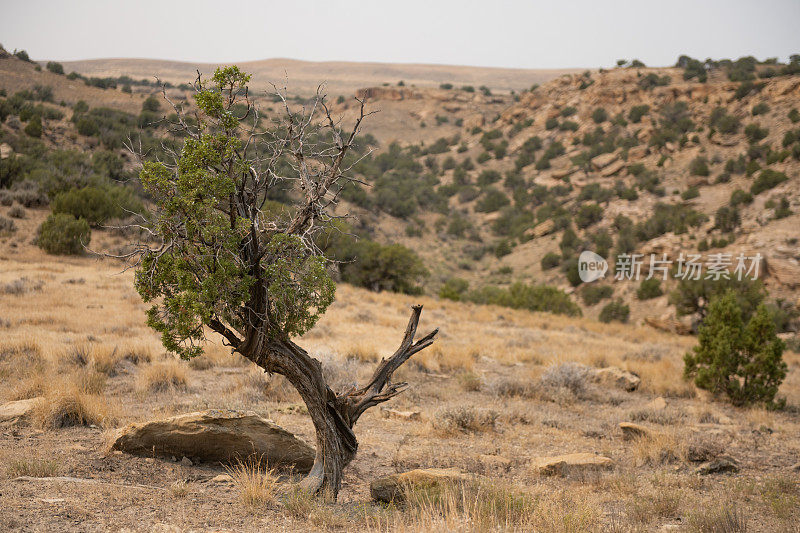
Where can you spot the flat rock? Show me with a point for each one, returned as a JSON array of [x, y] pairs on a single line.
[[658, 404], [616, 377], [563, 465], [402, 415], [632, 431], [721, 465], [603, 160], [216, 436], [17, 409], [613, 168], [393, 487]]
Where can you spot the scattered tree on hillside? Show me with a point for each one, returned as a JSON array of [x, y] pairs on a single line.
[[254, 276]]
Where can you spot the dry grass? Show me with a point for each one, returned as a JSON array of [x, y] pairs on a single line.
[[658, 504], [256, 483], [32, 468], [162, 377], [464, 418], [69, 406], [726, 518], [660, 448]]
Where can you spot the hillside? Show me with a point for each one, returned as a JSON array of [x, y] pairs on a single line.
[[340, 77], [495, 189]]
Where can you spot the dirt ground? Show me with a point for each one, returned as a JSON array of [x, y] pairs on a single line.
[[495, 392]]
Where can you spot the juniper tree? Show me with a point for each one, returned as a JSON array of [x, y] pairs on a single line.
[[743, 361], [227, 263]]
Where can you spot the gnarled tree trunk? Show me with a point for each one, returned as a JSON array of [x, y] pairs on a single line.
[[333, 415]]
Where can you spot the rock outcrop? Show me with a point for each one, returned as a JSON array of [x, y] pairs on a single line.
[[216, 436]]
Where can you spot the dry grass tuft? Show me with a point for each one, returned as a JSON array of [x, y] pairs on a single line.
[[32, 468], [465, 418], [257, 484], [469, 381], [69, 406], [570, 376], [727, 518], [646, 508], [161, 377], [660, 448]]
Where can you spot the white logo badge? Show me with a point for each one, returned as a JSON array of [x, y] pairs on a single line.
[[591, 266]]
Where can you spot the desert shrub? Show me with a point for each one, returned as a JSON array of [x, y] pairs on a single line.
[[454, 289], [676, 218], [383, 267], [727, 218], [487, 177], [55, 68], [7, 225], [568, 111], [151, 104], [782, 210], [571, 376], [768, 179], [760, 108], [551, 123], [649, 288], [723, 122], [96, 205], [690, 193], [464, 419], [616, 310], [652, 80], [755, 133], [637, 112], [63, 234], [34, 127], [592, 293], [568, 125], [599, 115], [531, 297], [692, 68], [587, 215], [740, 197], [794, 115], [745, 362], [691, 296], [492, 200], [550, 260]]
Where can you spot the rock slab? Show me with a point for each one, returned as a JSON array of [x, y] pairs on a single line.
[[393, 488], [563, 465], [11, 411], [216, 436], [616, 377]]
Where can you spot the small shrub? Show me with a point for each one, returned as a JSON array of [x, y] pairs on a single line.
[[760, 108], [755, 133], [727, 218], [55, 67], [454, 289], [550, 260], [63, 234], [593, 294], [34, 127], [768, 179], [570, 376], [637, 112], [699, 166], [742, 361], [616, 310], [465, 419], [649, 288], [69, 406], [257, 484], [599, 115]]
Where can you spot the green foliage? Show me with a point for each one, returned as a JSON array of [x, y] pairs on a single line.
[[492, 200], [649, 288], [383, 267], [652, 80], [34, 127], [599, 115], [760, 108], [550, 260], [551, 123], [768, 179], [63, 234], [55, 68], [454, 289], [692, 296], [675, 218], [615, 310], [740, 197], [727, 219], [592, 293], [692, 69], [97, 205], [531, 297], [699, 166], [587, 215], [723, 122], [151, 104], [794, 115], [744, 362], [637, 112], [755, 133]]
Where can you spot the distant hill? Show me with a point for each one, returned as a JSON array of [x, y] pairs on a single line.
[[341, 77]]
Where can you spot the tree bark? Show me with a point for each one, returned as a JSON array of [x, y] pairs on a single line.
[[333, 415]]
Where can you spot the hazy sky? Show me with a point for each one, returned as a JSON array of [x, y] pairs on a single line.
[[532, 34]]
